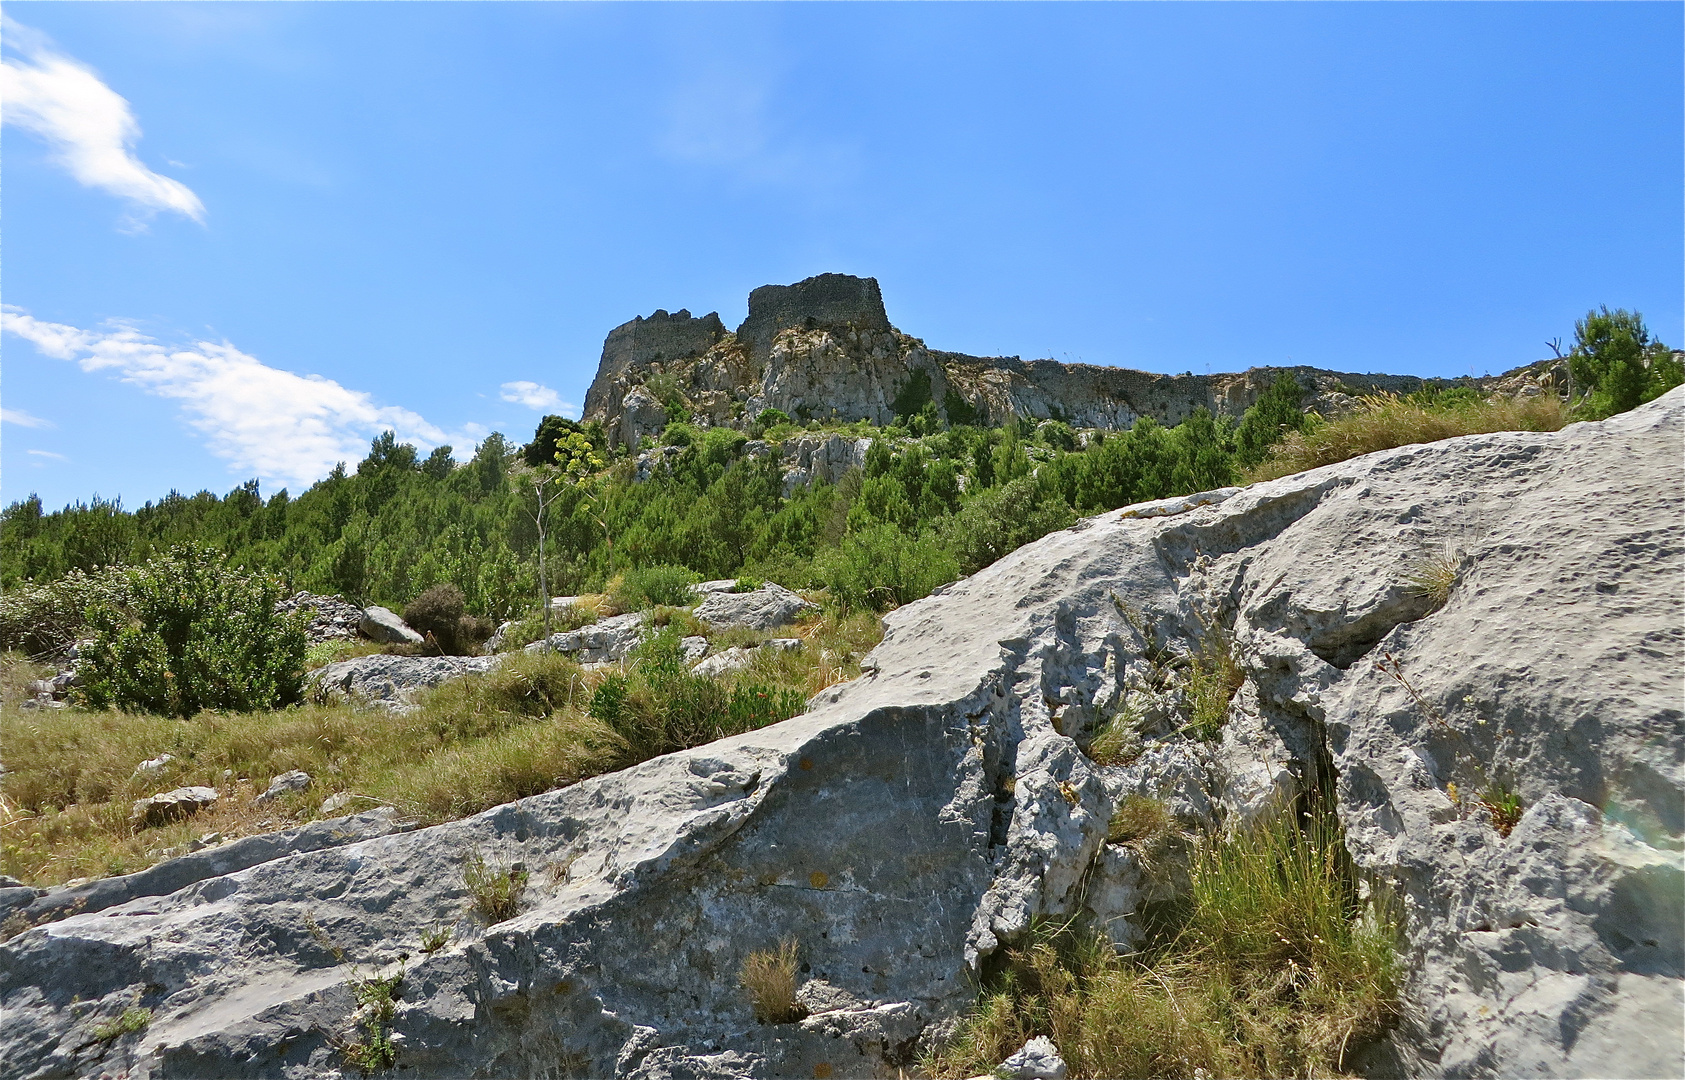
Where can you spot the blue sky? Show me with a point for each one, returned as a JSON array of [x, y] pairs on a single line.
[[240, 239]]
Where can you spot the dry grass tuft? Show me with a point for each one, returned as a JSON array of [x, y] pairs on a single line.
[[1275, 969], [770, 977], [496, 890], [1387, 421], [1434, 574]]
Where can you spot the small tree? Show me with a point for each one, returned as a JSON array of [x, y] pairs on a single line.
[[575, 470], [194, 634], [1617, 364]]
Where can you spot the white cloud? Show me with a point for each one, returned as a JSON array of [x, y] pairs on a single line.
[[88, 125], [47, 454], [537, 396], [277, 424], [23, 419]]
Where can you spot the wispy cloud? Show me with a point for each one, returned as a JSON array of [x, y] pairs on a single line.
[[724, 115], [277, 424], [88, 125], [23, 419], [537, 396], [47, 454]]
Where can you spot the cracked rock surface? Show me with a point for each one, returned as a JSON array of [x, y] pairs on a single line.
[[914, 821]]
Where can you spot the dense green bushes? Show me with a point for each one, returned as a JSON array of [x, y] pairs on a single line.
[[193, 634], [1617, 365], [935, 499]]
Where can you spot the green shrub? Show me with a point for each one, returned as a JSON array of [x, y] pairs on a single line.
[[659, 706], [39, 619], [880, 567], [1276, 414], [195, 634], [649, 586], [133, 1019], [440, 611], [1616, 363], [999, 521]]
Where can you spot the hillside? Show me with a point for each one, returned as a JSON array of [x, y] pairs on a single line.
[[824, 349], [1036, 747]]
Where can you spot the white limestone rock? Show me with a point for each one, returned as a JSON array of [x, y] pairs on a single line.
[[168, 806], [379, 624], [768, 607]]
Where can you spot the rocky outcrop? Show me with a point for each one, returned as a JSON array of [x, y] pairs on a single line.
[[824, 349], [601, 642], [390, 681], [770, 606], [914, 821], [331, 618]]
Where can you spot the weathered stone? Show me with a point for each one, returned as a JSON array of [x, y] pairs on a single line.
[[285, 784], [153, 766], [824, 349], [916, 820], [1038, 1060], [769, 606], [733, 659], [331, 618], [601, 642], [379, 624], [168, 806], [391, 681], [695, 648]]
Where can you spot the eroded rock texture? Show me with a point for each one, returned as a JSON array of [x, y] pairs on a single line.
[[824, 349], [915, 820]]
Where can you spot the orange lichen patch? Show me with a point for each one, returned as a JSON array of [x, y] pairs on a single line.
[[818, 879], [822, 1070], [804, 764]]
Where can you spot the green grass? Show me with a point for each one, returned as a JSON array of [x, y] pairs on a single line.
[[473, 743], [1386, 421], [133, 1019], [1270, 968]]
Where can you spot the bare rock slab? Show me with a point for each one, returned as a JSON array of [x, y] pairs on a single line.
[[766, 608]]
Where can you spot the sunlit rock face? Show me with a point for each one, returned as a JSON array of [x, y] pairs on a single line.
[[824, 349], [913, 822]]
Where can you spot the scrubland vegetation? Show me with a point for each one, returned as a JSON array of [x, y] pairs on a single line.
[[1271, 966]]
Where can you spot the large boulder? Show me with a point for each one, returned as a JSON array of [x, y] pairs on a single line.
[[602, 642], [768, 607], [391, 681], [914, 821], [380, 624]]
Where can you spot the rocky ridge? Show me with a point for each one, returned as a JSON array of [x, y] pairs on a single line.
[[824, 349], [915, 821]]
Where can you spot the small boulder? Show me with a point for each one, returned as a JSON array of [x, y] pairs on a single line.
[[1038, 1060], [169, 806], [154, 766], [695, 648], [379, 624], [336, 802], [768, 606], [732, 659], [286, 783]]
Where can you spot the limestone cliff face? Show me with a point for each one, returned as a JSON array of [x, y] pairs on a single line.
[[824, 349]]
